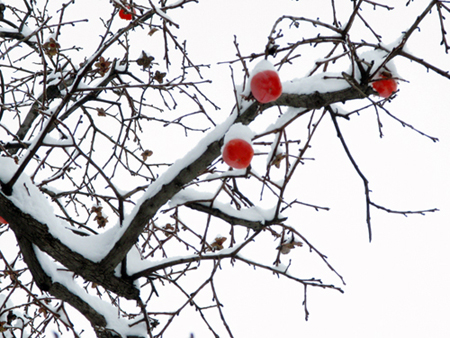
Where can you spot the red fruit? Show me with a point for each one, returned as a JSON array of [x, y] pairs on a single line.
[[237, 153], [2, 220], [266, 86], [386, 86], [126, 15]]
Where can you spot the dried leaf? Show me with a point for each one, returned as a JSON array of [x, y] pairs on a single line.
[[51, 47], [12, 274], [286, 247], [168, 229], [217, 244], [102, 66], [145, 60], [43, 311], [101, 112], [146, 154], [153, 31], [277, 160], [97, 209], [101, 221], [159, 76]]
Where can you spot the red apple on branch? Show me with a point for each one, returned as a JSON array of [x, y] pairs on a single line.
[[126, 14], [385, 85], [265, 83], [237, 153]]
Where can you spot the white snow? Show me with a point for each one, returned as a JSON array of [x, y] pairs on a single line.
[[190, 195], [262, 66], [51, 36], [229, 173], [109, 311], [140, 265], [255, 213], [216, 134], [175, 3], [27, 197], [287, 116], [338, 109], [322, 83], [378, 56], [239, 131], [8, 30], [21, 321], [259, 67], [162, 14], [51, 141]]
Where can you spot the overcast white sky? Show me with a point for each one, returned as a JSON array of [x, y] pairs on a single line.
[[396, 285]]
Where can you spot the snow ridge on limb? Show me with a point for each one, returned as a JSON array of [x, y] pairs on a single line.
[[188, 169], [116, 103]]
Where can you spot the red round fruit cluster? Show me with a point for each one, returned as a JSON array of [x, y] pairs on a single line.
[[266, 87], [237, 153], [386, 85]]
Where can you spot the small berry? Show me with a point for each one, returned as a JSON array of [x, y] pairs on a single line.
[[386, 85], [237, 153], [266, 86], [126, 15]]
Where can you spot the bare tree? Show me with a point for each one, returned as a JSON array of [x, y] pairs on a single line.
[[93, 203]]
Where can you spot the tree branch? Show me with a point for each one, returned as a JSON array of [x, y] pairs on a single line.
[[255, 225], [25, 226], [58, 290], [150, 206]]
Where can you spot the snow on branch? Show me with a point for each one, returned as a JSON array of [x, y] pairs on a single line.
[[111, 143]]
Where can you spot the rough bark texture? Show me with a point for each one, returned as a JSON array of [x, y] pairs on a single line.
[[27, 228]]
